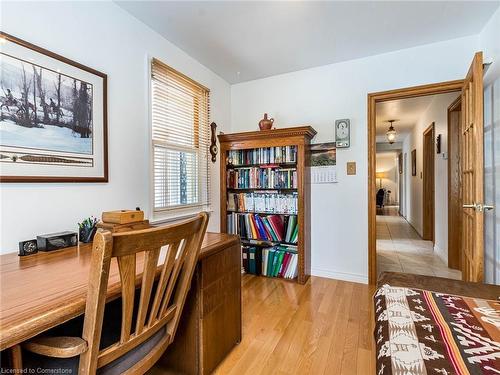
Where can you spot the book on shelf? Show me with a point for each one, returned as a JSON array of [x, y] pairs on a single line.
[[263, 155], [276, 261], [292, 229], [244, 258], [272, 228], [279, 261], [262, 178], [263, 202], [252, 259]]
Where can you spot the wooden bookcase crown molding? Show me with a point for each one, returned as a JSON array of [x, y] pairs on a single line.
[[301, 131]]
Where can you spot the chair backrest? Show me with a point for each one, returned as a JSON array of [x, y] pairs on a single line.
[[158, 307]]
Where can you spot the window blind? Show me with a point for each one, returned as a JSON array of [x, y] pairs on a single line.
[[180, 135]]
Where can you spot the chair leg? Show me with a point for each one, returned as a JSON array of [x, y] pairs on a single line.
[[16, 359]]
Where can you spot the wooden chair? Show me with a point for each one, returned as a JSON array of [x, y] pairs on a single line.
[[156, 319]]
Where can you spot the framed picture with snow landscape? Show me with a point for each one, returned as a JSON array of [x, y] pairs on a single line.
[[53, 117]]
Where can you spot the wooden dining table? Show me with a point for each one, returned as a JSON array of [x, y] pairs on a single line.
[[43, 290]]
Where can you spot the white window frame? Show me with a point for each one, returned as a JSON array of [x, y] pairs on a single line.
[[169, 146], [173, 213]]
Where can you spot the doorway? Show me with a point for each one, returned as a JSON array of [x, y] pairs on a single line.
[[415, 242], [373, 99], [472, 166], [428, 183]]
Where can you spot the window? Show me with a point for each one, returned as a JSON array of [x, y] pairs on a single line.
[[180, 133]]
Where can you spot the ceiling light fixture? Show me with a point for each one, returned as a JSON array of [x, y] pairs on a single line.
[[391, 133]]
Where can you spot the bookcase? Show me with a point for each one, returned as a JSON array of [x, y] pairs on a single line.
[[265, 199]]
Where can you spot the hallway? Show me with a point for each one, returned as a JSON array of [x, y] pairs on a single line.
[[400, 248]]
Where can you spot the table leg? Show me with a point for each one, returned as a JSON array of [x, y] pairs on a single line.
[[16, 357]]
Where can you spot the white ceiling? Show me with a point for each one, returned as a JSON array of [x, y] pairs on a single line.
[[406, 112], [243, 41]]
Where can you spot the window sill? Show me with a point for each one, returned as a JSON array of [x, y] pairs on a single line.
[[165, 217]]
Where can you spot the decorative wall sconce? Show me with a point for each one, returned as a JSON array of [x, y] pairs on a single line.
[[213, 142]]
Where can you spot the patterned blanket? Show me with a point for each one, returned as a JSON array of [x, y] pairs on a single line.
[[421, 332]]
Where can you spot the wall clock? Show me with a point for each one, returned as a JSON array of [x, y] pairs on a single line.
[[343, 133]]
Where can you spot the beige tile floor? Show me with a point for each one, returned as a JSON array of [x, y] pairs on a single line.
[[400, 248]]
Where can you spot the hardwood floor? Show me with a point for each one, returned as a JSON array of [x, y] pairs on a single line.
[[322, 327]]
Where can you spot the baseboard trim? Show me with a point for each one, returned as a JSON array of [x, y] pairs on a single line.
[[441, 254], [344, 276], [415, 229]]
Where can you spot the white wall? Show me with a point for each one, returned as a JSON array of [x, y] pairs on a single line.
[[388, 163], [436, 112], [320, 95], [103, 36], [490, 45]]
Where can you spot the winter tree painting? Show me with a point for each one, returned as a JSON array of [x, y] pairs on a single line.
[[44, 109], [53, 116]]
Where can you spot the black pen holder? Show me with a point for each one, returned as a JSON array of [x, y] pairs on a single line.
[[87, 234]]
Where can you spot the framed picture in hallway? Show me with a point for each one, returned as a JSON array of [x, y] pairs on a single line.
[[53, 117], [414, 162]]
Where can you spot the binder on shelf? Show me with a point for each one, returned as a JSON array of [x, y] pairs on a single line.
[[270, 262], [251, 260], [277, 261], [244, 256], [264, 262], [291, 227]]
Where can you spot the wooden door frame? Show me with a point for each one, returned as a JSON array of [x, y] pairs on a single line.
[[425, 194], [400, 180], [373, 99], [405, 187]]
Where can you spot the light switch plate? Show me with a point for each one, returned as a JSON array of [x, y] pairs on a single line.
[[351, 168]]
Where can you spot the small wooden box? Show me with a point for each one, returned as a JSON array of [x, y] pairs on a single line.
[[122, 216], [118, 228]]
